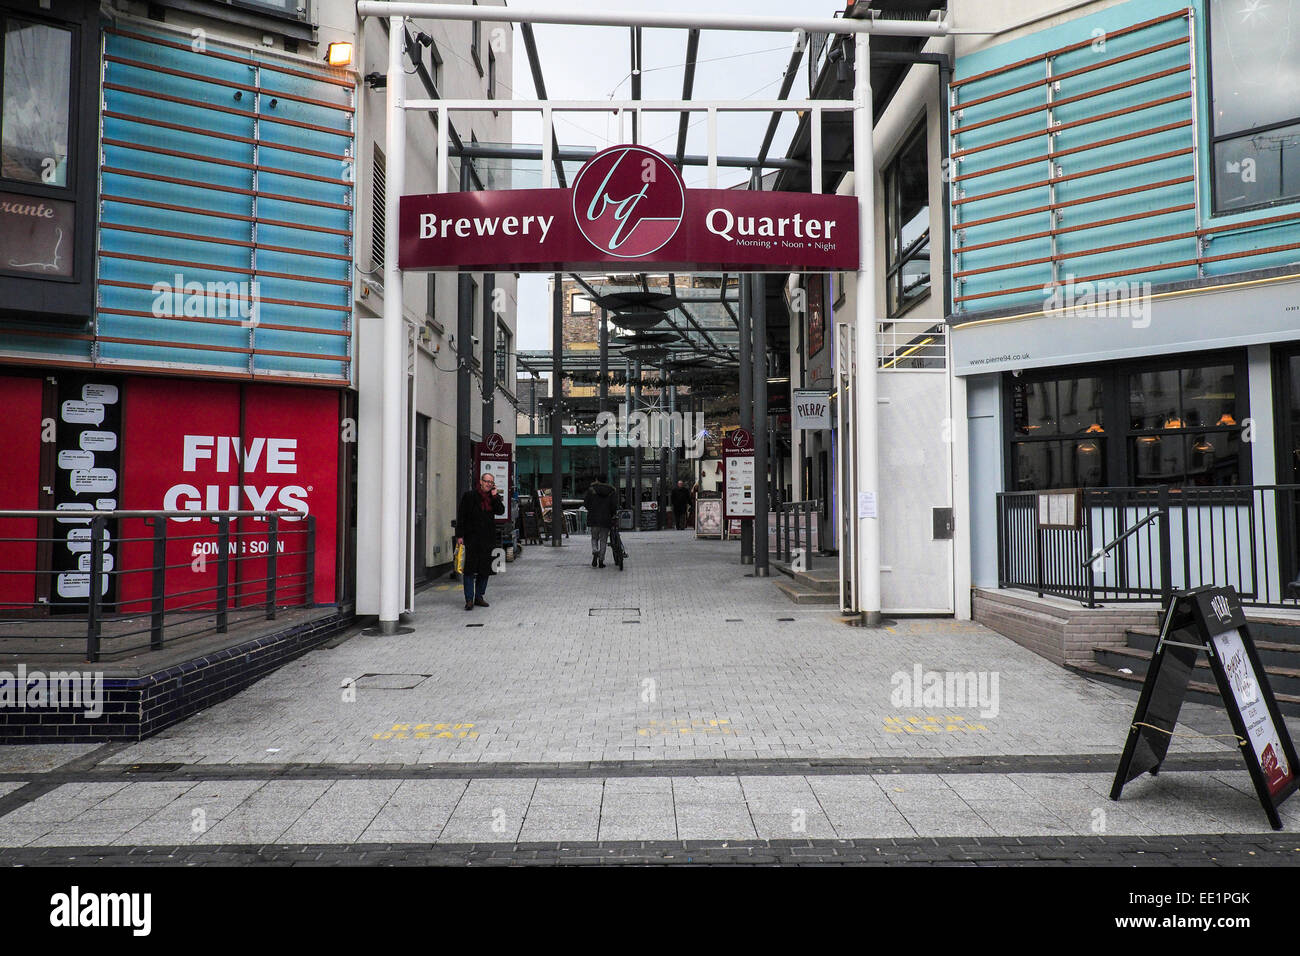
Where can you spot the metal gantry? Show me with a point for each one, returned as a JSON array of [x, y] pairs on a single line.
[[866, 546]]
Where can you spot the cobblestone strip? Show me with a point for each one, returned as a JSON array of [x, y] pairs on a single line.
[[796, 766], [1198, 850]]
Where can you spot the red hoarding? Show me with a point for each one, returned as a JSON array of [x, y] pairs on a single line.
[[20, 397], [185, 450], [627, 207]]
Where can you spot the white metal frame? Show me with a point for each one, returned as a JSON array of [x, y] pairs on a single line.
[[866, 566]]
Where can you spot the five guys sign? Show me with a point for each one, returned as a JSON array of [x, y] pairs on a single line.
[[628, 204]]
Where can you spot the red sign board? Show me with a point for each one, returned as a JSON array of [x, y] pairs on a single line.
[[184, 450], [20, 486], [628, 206]]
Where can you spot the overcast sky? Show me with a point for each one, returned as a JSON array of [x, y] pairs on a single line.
[[593, 63]]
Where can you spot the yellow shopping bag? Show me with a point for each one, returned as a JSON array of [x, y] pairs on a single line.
[[460, 559]]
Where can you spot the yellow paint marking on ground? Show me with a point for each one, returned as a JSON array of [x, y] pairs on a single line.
[[930, 725], [662, 728], [444, 731]]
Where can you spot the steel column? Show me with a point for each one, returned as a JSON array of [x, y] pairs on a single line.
[[867, 598], [393, 381], [557, 416]]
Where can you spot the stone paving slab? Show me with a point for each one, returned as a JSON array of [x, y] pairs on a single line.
[[344, 812], [720, 667]]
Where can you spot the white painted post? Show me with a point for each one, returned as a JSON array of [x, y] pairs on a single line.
[[867, 597], [394, 379]]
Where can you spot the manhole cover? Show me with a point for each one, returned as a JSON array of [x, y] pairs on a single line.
[[390, 681]]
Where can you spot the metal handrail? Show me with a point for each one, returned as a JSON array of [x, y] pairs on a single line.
[[1107, 548]]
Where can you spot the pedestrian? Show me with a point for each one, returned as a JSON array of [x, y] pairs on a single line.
[[476, 530], [602, 507], [681, 501]]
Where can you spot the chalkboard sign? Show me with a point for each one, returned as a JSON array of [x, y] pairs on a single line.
[[1210, 620]]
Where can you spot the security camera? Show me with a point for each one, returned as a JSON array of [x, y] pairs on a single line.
[[474, 339], [1017, 372]]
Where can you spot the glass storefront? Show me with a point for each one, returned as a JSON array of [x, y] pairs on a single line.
[[1172, 422]]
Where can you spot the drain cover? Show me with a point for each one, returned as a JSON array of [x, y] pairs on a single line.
[[625, 611], [153, 767], [390, 681]]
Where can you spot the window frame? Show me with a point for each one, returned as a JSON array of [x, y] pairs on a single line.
[[1213, 139], [1118, 433], [897, 259], [68, 190], [501, 351]]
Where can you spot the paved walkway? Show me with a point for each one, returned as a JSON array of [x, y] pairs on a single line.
[[676, 701]]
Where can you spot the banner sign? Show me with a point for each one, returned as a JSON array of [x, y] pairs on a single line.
[[1210, 620], [628, 207], [232, 447], [88, 465], [812, 409], [738, 494], [493, 456]]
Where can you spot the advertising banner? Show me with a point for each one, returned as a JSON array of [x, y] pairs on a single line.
[[627, 208], [738, 490], [87, 478], [285, 458]]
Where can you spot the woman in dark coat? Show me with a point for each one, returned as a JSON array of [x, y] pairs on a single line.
[[476, 529]]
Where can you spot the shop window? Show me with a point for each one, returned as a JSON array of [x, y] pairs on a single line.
[[1184, 428], [907, 226], [35, 102], [1059, 427], [1255, 103]]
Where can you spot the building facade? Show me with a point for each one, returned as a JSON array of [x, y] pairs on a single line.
[[1125, 231], [190, 258]]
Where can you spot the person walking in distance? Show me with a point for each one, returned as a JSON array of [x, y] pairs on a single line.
[[681, 500], [602, 506], [476, 529]]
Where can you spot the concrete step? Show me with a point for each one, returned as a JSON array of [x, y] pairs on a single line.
[[1283, 680], [1197, 691], [800, 595], [823, 578], [1271, 653]]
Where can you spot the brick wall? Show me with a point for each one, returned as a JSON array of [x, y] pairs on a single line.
[[1062, 633]]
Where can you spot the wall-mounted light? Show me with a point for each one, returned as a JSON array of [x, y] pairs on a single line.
[[339, 53]]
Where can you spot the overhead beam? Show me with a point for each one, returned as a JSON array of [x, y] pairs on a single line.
[[611, 18], [539, 87], [688, 90], [787, 81]]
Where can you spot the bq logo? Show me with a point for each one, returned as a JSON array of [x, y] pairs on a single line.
[[628, 201], [494, 444]]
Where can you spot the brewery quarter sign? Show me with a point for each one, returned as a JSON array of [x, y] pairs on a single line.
[[628, 205]]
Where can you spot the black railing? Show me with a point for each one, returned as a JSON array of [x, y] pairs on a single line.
[[795, 530], [138, 574], [1142, 544]]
